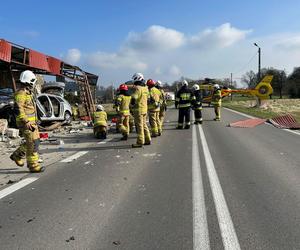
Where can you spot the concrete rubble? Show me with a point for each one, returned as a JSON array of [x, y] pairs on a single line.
[[55, 146]]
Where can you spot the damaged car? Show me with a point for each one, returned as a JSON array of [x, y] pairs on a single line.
[[51, 105]]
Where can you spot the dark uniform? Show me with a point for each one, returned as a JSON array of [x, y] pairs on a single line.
[[183, 102]]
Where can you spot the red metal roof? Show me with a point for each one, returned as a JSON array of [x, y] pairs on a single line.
[[54, 65], [5, 51], [38, 60]]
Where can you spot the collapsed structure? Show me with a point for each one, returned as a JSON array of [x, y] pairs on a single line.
[[15, 58]]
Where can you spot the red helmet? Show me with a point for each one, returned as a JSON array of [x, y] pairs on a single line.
[[150, 83], [123, 87]]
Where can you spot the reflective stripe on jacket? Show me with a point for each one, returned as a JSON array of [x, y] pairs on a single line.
[[122, 104], [140, 100], [100, 118], [184, 98], [24, 107], [217, 98], [155, 99]]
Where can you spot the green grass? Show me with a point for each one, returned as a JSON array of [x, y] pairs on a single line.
[[257, 112]]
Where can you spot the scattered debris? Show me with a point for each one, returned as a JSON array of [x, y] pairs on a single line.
[[248, 123], [71, 238], [30, 220], [12, 133], [285, 122], [11, 182], [117, 243]]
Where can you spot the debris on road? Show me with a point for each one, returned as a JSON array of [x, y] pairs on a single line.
[[285, 122], [117, 243], [248, 123]]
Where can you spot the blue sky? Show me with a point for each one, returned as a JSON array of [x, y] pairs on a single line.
[[163, 39]]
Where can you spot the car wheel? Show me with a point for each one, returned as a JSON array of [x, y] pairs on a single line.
[[68, 117]]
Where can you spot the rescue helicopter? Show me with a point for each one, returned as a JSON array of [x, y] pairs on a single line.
[[261, 91]]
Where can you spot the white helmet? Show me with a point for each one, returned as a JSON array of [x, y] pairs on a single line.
[[138, 77], [158, 83], [216, 86], [185, 83], [28, 77], [100, 108], [196, 87]]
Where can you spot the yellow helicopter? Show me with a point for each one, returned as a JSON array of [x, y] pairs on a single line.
[[262, 90]]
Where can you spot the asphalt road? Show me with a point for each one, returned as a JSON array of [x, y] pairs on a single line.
[[210, 187]]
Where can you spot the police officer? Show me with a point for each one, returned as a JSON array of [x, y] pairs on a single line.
[[122, 106], [139, 100], [25, 108], [163, 106], [184, 98], [100, 122], [216, 101], [154, 107], [197, 104]]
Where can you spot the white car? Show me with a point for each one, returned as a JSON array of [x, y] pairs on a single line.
[[53, 108]]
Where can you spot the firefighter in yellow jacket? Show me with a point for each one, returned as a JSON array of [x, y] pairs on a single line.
[[122, 104], [163, 106], [154, 107], [100, 122], [217, 101], [25, 109], [139, 101]]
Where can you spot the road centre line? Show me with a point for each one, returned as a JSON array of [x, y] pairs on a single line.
[[229, 237], [74, 156], [249, 116], [9, 190], [200, 226]]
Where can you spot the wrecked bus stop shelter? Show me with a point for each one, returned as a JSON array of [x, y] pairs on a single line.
[[15, 58]]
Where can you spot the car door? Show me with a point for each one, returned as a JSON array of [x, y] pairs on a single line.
[[45, 109]]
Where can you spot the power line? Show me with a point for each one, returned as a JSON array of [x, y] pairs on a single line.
[[246, 65]]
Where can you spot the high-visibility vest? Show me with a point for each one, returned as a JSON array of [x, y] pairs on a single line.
[[155, 99], [140, 97], [24, 107], [100, 118], [122, 104]]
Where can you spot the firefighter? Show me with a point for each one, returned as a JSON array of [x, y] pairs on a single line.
[[154, 107], [100, 122], [75, 111], [217, 101], [184, 98], [139, 101], [27, 123], [122, 106], [163, 106], [197, 104]]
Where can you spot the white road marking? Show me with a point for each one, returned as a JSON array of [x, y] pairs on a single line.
[[229, 237], [249, 116], [105, 141], [240, 113], [200, 227], [74, 156], [17, 186]]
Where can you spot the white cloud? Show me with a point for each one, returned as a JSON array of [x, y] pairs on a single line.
[[103, 61], [73, 56], [289, 43], [174, 71], [220, 37], [155, 38], [167, 54]]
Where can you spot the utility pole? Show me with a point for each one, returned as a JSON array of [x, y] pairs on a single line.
[[259, 62]]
